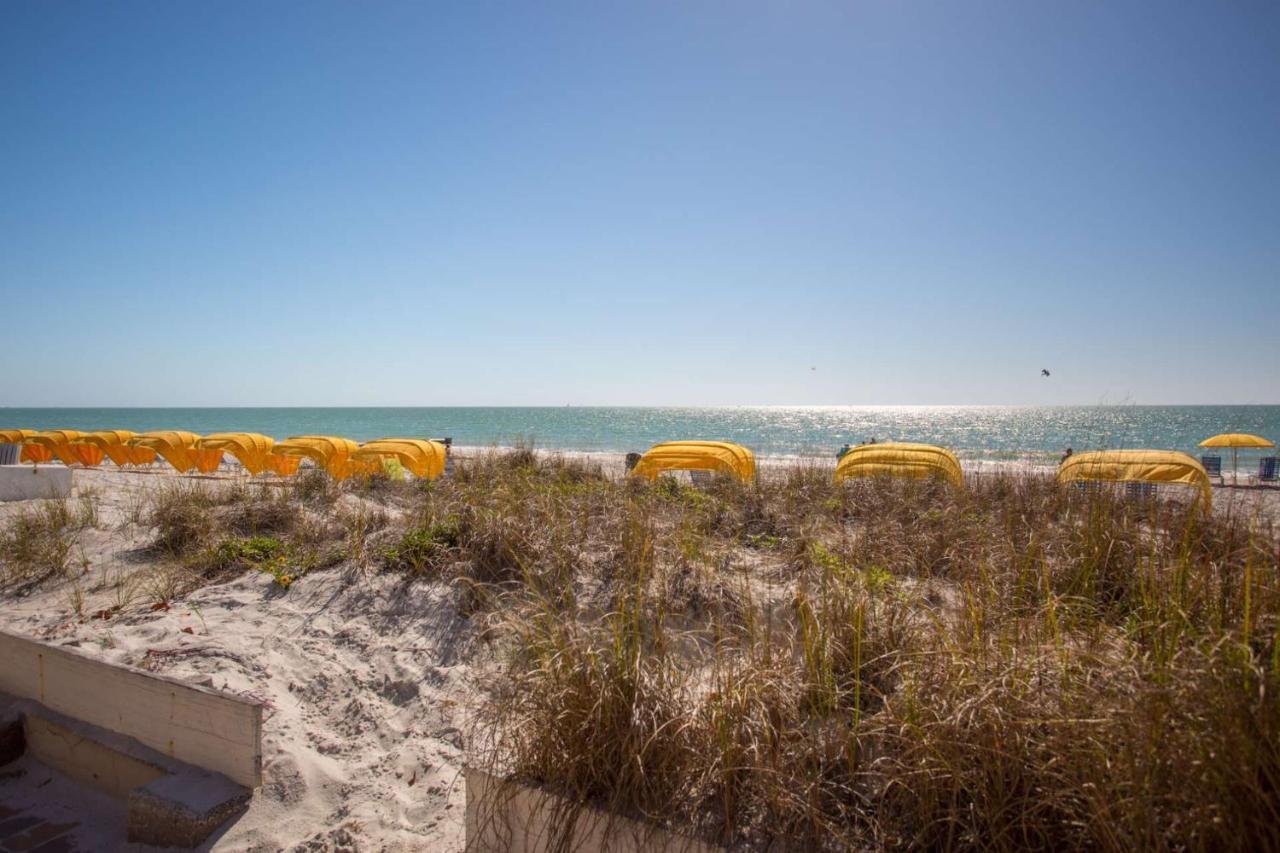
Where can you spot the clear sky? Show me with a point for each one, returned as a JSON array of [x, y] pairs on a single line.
[[630, 203]]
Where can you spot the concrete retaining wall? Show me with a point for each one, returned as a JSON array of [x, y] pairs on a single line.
[[28, 482], [518, 819]]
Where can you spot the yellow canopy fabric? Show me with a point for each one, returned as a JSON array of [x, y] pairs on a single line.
[[1237, 439], [285, 466], [251, 448], [423, 458], [1149, 466], [329, 452], [30, 452], [59, 441], [35, 453], [178, 448], [723, 456], [113, 442], [900, 459]]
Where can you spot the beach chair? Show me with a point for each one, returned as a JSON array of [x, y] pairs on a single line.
[[1140, 491], [1087, 487], [1213, 467], [1268, 470], [701, 479]]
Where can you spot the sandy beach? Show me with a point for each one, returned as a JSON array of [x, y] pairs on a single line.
[[367, 675]]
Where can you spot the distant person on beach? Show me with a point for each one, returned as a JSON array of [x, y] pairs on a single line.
[[1066, 455], [842, 451]]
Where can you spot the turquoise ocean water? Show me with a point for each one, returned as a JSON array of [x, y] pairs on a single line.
[[1036, 433]]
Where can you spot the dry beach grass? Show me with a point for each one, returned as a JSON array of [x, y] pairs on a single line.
[[787, 665]]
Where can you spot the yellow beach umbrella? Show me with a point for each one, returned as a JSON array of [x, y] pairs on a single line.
[[178, 448], [60, 442], [112, 442], [330, 452], [251, 448], [1236, 440], [425, 459]]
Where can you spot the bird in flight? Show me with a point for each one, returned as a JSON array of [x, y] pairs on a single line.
[[1044, 372]]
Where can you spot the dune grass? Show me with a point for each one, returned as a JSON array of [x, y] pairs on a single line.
[[36, 543], [801, 665]]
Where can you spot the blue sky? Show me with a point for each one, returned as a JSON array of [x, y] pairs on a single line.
[[633, 203]]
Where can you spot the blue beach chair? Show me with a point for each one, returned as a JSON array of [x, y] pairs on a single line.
[[1213, 467], [1268, 470], [1140, 491]]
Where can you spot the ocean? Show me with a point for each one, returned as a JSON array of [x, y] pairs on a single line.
[[1031, 433]]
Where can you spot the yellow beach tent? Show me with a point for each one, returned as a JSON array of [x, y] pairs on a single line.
[[114, 443], [285, 466], [423, 458], [178, 448], [723, 456], [1237, 440], [1144, 466], [251, 448], [59, 441], [329, 452], [30, 452], [900, 459]]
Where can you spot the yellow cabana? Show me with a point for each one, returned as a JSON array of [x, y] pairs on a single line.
[[178, 448], [900, 459], [114, 443], [331, 453], [1142, 466], [59, 442], [285, 466], [251, 448], [723, 456], [1236, 440], [30, 452], [423, 458]]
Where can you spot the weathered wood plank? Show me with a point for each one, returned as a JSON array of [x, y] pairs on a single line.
[[194, 724]]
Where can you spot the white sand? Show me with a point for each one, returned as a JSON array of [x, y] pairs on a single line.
[[361, 675]]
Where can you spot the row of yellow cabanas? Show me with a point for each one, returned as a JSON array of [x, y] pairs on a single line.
[[186, 451], [342, 457], [925, 461], [734, 460]]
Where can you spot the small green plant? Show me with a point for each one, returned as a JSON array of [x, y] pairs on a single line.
[[285, 568], [421, 548], [239, 553], [761, 541], [284, 563], [75, 598]]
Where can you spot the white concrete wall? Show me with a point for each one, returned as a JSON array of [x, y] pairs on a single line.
[[27, 482]]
